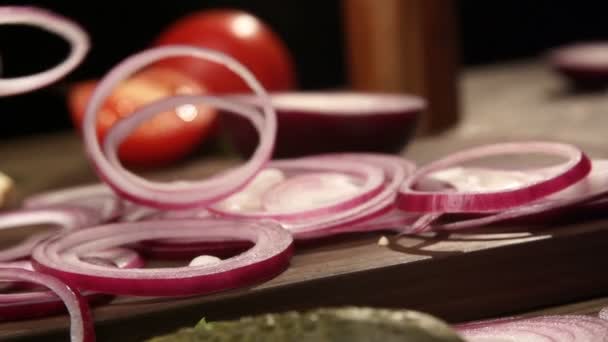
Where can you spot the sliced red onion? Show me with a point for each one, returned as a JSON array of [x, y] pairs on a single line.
[[423, 223], [187, 213], [586, 192], [539, 329], [64, 218], [574, 169], [249, 199], [179, 249], [315, 189], [185, 248], [603, 314], [81, 322], [51, 22], [176, 194], [477, 179], [354, 219], [311, 221], [268, 257], [40, 303], [133, 212], [122, 258], [389, 220], [96, 197], [10, 285], [311, 191]]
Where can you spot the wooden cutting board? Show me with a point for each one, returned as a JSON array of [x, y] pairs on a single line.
[[457, 277]]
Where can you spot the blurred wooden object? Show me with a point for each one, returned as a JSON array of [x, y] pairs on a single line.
[[408, 46]]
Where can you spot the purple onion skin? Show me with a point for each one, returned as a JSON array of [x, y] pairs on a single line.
[[303, 133]]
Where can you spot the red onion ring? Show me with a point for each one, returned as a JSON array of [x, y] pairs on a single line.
[[388, 219], [396, 170], [371, 176], [51, 22], [423, 223], [179, 249], [133, 212], [268, 257], [182, 194], [7, 285], [65, 218], [122, 258], [575, 169], [96, 197], [41, 303], [546, 328], [179, 214], [588, 191], [81, 322]]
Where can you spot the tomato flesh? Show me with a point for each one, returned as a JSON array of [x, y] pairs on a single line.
[[167, 137]]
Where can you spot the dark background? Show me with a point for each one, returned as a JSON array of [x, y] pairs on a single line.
[[491, 31]]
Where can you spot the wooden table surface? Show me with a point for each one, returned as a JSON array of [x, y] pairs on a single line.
[[505, 102]]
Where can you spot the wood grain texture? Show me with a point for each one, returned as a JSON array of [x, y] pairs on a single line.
[[458, 277]]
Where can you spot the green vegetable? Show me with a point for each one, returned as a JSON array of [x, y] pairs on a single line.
[[326, 325]]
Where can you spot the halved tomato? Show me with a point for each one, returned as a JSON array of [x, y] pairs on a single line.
[[167, 137]]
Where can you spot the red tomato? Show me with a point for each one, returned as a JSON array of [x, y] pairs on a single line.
[[239, 35], [167, 137]]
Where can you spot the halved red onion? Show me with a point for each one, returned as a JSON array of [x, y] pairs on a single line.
[[584, 63], [268, 257], [176, 194], [96, 197], [323, 122], [33, 302], [315, 189], [51, 22], [65, 218], [81, 322], [585, 193], [574, 169], [539, 329]]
